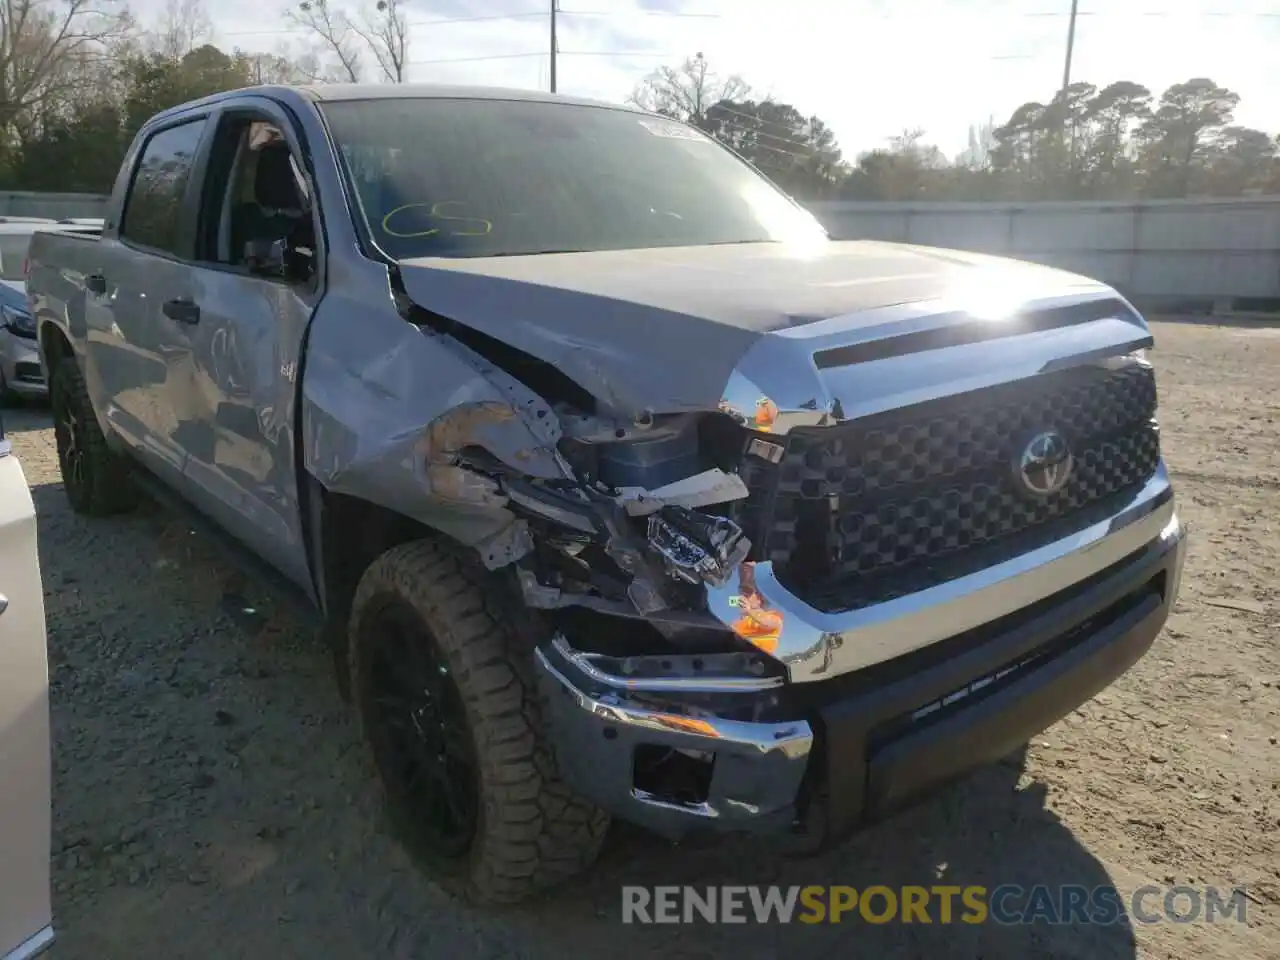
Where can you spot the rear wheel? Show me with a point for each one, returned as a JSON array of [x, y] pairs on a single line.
[[94, 478], [442, 681]]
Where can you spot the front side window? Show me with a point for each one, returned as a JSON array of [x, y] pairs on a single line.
[[152, 210], [437, 177]]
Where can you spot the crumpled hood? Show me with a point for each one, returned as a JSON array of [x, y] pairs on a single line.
[[662, 330]]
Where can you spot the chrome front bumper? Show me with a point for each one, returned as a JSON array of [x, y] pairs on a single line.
[[1088, 606], [598, 720], [818, 646]]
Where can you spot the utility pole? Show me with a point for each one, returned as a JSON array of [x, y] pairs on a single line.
[[1066, 70], [554, 4], [1066, 74]]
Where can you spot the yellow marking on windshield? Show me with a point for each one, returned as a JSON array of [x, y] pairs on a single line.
[[434, 210]]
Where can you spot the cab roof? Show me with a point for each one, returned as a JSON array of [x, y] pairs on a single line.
[[350, 92]]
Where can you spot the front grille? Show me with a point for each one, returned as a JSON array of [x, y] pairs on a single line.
[[873, 508]]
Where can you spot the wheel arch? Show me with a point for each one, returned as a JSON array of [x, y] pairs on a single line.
[[55, 346]]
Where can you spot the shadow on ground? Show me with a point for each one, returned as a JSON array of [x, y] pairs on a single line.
[[288, 782], [23, 416], [989, 830]]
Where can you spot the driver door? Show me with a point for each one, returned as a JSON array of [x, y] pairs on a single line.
[[247, 337]]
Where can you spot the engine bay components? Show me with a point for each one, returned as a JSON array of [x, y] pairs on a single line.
[[697, 547]]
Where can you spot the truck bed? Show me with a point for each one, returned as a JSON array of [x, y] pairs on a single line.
[[57, 263]]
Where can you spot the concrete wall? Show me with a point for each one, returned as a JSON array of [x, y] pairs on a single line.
[[1195, 249], [55, 206]]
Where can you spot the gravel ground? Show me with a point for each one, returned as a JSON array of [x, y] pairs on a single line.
[[212, 799]]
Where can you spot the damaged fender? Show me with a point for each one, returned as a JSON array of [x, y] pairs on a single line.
[[388, 415], [413, 420]]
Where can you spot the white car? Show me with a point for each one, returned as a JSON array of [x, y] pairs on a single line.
[[26, 912], [21, 373]]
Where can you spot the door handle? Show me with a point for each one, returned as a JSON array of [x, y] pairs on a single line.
[[184, 311], [95, 283]]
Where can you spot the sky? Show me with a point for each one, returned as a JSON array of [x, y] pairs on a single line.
[[869, 68]]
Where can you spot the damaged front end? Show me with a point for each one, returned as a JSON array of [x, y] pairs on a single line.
[[617, 529], [658, 711], [677, 742]]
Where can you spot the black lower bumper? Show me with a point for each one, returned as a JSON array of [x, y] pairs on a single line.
[[901, 732]]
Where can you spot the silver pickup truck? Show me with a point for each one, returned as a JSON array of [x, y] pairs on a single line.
[[622, 488]]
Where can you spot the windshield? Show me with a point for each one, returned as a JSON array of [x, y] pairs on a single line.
[[13, 251], [475, 178]]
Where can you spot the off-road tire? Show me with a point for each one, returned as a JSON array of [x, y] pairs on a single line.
[[104, 486], [532, 832]]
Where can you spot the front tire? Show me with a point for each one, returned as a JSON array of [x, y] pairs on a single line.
[[442, 679], [94, 478]]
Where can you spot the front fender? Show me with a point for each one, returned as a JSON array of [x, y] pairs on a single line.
[[387, 406]]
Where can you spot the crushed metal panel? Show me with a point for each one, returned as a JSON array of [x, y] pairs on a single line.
[[704, 489], [386, 404], [505, 547], [631, 357]]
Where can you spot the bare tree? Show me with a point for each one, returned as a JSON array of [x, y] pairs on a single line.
[[46, 48], [344, 41], [385, 31], [183, 27], [279, 67], [333, 32], [689, 91]]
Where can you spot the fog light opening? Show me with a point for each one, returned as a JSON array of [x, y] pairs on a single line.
[[673, 776]]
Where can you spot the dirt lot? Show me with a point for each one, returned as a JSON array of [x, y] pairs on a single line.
[[212, 799]]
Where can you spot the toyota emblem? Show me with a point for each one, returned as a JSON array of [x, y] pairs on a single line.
[[1043, 466]]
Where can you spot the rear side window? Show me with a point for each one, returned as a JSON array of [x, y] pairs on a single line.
[[151, 214]]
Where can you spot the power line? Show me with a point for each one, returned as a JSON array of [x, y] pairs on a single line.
[[643, 13], [492, 56], [677, 14], [620, 54], [785, 153], [562, 53], [667, 55], [721, 108], [439, 22], [801, 153]]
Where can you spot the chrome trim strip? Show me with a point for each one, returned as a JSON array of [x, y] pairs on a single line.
[[710, 684], [32, 947], [817, 646], [703, 809], [793, 738]]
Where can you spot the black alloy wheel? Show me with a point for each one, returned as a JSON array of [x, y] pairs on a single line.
[[417, 726]]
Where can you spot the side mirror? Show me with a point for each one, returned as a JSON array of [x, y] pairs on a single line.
[[266, 258]]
